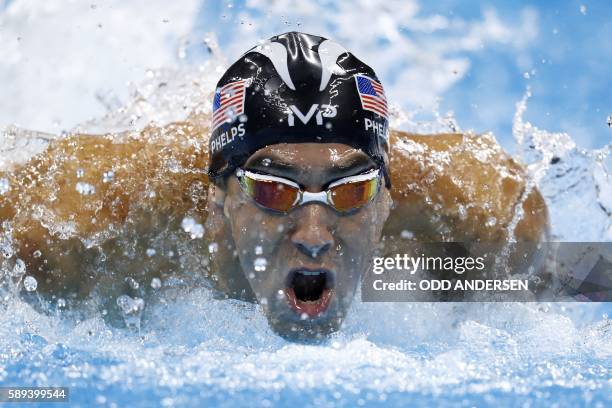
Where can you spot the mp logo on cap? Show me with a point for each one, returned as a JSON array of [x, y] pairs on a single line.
[[326, 111]]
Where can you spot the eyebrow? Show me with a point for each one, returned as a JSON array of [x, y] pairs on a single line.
[[277, 166]]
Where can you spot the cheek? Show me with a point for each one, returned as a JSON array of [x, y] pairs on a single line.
[[257, 234], [360, 233]]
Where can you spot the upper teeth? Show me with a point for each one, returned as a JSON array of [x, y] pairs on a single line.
[[311, 273]]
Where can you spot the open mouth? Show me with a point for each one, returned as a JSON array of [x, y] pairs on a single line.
[[309, 291]]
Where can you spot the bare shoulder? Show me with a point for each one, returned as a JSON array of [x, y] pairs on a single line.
[[461, 187], [84, 189]]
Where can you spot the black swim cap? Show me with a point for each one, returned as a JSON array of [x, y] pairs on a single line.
[[294, 88]]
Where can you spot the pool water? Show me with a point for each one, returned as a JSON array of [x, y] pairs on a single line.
[[193, 349]]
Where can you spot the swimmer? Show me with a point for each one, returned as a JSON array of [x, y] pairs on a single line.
[[282, 196]]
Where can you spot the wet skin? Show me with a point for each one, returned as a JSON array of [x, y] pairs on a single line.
[[312, 237], [445, 188]]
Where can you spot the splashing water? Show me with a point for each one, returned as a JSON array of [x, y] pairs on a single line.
[[187, 348]]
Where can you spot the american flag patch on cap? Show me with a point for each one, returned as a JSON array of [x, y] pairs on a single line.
[[228, 103], [372, 95]]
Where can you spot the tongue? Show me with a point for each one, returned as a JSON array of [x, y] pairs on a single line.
[[312, 308]]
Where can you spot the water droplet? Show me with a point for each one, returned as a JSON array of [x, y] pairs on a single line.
[[85, 188], [156, 283], [80, 173], [131, 309], [609, 125], [260, 264], [266, 162], [583, 9], [280, 294], [7, 250], [190, 226], [132, 283], [251, 275], [526, 75], [258, 250], [108, 176], [407, 234], [462, 212], [19, 268], [491, 221], [30, 283], [243, 118], [264, 301], [151, 252], [4, 186], [61, 303], [36, 254], [213, 247], [304, 316]]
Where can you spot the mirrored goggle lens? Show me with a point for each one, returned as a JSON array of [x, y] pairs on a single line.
[[348, 196], [271, 194]]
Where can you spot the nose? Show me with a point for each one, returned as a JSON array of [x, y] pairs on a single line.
[[312, 235]]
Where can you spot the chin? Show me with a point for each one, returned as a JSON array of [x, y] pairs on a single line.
[[292, 325], [305, 330]]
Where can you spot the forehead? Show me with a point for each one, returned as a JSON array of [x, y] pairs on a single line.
[[310, 156]]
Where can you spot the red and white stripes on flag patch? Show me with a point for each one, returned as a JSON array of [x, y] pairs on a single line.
[[228, 102], [372, 95]]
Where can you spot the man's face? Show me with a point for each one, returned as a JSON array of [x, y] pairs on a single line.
[[304, 266]]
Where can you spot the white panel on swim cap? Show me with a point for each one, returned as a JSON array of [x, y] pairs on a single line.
[[277, 53], [329, 51]]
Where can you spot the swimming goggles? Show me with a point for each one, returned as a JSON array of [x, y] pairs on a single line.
[[282, 195]]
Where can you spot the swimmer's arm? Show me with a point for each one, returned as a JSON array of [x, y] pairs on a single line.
[[85, 190], [461, 188]]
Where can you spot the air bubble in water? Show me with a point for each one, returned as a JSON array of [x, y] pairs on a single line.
[[266, 162], [280, 294], [30, 283], [85, 188], [151, 252], [36, 254], [213, 247], [80, 173], [491, 221], [190, 226], [258, 250], [260, 264], [61, 303], [156, 283], [4, 186]]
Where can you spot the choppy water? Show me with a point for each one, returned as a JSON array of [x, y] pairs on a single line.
[[193, 349]]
